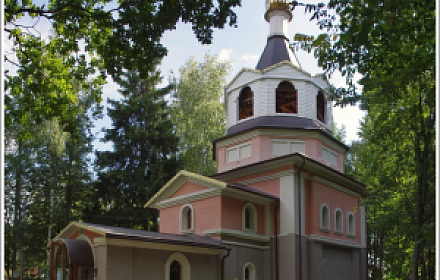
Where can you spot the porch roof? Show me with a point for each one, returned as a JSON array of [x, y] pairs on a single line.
[[150, 236]]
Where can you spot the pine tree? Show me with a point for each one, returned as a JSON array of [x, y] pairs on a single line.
[[143, 159]]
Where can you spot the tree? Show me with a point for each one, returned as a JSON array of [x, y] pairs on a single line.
[[392, 45], [90, 40], [198, 113], [43, 174], [143, 159]]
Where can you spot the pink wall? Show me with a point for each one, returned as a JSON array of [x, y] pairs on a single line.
[[271, 186], [187, 188], [207, 215], [232, 214], [222, 165], [261, 151], [318, 194]]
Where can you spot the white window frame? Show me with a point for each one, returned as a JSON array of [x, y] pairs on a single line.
[[253, 217], [289, 145], [330, 151], [341, 220], [252, 271], [184, 219], [248, 143], [321, 223], [185, 271], [351, 233]]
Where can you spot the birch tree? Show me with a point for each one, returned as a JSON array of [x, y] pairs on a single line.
[[198, 113]]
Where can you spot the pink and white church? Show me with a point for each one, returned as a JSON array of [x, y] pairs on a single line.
[[280, 206]]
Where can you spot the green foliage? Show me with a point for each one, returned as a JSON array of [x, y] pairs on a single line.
[[143, 159], [397, 37], [392, 45], [198, 113], [46, 183], [90, 40], [396, 159]]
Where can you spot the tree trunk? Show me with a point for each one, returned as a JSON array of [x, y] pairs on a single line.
[[17, 208]]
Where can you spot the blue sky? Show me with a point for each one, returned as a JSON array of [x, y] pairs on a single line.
[[243, 46]]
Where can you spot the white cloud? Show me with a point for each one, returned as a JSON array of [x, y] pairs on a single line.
[[250, 58], [224, 54]]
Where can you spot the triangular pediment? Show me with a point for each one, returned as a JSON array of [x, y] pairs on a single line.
[[74, 227], [184, 184]]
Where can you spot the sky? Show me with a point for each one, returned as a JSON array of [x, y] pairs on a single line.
[[242, 46]]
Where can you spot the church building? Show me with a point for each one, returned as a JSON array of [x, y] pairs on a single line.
[[279, 207]]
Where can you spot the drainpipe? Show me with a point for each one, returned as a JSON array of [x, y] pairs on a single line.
[[275, 218], [223, 263], [299, 218]]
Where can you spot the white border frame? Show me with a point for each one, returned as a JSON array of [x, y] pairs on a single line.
[[252, 271], [238, 146], [321, 220], [181, 220], [186, 267], [351, 233], [253, 222], [339, 232]]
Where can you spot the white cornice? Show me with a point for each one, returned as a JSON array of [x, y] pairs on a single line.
[[236, 233], [186, 198], [335, 186], [177, 181], [245, 245], [231, 192], [156, 246], [333, 241]]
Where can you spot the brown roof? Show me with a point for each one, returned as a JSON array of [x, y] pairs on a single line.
[[251, 190], [285, 122], [158, 237]]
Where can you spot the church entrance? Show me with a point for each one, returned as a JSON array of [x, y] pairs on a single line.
[[71, 259]]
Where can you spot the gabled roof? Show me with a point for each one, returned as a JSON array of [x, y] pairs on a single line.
[[185, 176], [146, 236]]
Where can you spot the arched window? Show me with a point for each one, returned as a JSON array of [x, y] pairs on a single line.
[[249, 272], [286, 98], [175, 270], [338, 221], [350, 225], [325, 218], [187, 218], [246, 103], [177, 267], [320, 107], [249, 216]]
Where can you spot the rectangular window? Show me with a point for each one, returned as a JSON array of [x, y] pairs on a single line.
[[238, 152], [286, 146], [330, 156]]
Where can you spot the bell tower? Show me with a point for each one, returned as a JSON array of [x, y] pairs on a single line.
[[278, 108]]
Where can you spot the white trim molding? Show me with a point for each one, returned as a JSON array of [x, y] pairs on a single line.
[[252, 218], [185, 271], [335, 186], [322, 222], [225, 242], [333, 241], [351, 225], [252, 272], [236, 233], [339, 222], [183, 219]]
